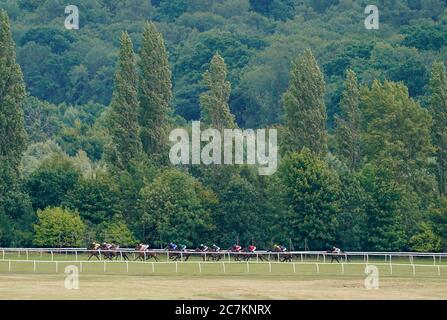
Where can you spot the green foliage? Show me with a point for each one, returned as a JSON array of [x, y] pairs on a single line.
[[384, 199], [58, 227], [348, 124], [176, 208], [96, 200], [214, 102], [305, 112], [426, 240], [17, 217], [313, 192], [119, 233], [387, 200], [48, 185], [397, 128], [438, 109], [12, 97], [277, 9], [425, 36], [155, 90], [123, 123], [352, 232], [239, 217]]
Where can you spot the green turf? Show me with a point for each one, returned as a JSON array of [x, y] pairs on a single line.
[[195, 267]]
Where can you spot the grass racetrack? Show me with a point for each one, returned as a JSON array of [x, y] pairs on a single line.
[[38, 276]]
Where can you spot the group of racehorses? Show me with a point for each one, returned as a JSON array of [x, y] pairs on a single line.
[[143, 253]]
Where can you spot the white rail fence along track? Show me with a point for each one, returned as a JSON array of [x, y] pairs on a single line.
[[56, 257]]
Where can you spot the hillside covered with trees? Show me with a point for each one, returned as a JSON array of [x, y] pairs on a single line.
[[361, 114]]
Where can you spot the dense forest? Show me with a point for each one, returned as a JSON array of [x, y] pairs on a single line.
[[361, 114]]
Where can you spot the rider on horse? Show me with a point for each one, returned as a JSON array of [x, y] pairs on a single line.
[[251, 248], [172, 246], [215, 248], [107, 246], [182, 247], [203, 247], [236, 248]]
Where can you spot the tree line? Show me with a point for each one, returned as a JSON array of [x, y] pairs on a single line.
[[375, 181]]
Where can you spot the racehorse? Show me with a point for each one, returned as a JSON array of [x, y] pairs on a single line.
[[176, 255], [215, 254], [111, 251], [93, 250], [338, 256], [143, 253], [245, 255], [281, 255]]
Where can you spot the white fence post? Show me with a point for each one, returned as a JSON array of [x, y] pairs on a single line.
[[318, 268], [414, 270], [9, 265], [34, 266], [342, 268], [105, 265], [270, 267], [294, 268], [76, 254], [80, 266], [127, 266], [52, 256], [391, 269], [223, 265], [57, 266], [302, 258], [27, 256], [200, 267], [439, 270], [153, 267], [248, 267]]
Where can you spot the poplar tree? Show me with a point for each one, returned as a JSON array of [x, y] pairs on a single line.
[[214, 106], [12, 97], [347, 124], [123, 122], [438, 108], [305, 111], [155, 91]]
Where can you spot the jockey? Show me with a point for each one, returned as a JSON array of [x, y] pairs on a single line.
[[336, 250], [172, 246], [251, 248], [182, 247], [276, 247], [237, 248], [107, 245], [203, 247], [144, 247], [282, 248], [215, 248]]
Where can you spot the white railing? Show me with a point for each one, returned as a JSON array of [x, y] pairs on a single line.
[[386, 268], [179, 256]]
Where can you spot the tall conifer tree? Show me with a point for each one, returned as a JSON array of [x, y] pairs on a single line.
[[347, 130], [155, 91], [305, 109], [438, 108], [214, 102], [12, 97], [123, 123]]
